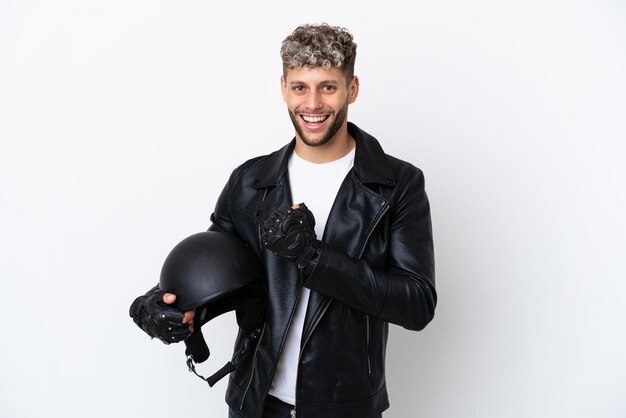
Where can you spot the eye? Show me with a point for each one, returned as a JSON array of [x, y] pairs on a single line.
[[329, 88], [297, 88]]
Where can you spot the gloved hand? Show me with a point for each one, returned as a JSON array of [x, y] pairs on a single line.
[[157, 318], [289, 233]]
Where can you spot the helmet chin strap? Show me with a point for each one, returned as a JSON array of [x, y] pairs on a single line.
[[197, 351], [249, 309], [215, 377], [196, 346]]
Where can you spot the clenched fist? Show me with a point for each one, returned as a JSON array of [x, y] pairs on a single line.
[[289, 233]]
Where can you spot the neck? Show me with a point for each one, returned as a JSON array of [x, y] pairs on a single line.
[[339, 146]]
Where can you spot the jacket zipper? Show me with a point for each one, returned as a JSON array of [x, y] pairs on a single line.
[[258, 229], [367, 317], [319, 318], [293, 412], [369, 234], [369, 350], [253, 368]]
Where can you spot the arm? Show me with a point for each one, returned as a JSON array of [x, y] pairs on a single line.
[[401, 292], [220, 218], [221, 221], [404, 293]]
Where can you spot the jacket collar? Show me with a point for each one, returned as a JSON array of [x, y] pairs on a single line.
[[370, 162]]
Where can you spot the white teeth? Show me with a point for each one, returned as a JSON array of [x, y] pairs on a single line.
[[314, 119]]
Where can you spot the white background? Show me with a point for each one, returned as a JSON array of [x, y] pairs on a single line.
[[120, 121]]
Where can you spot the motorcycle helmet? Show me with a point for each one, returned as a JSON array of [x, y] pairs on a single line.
[[214, 273]]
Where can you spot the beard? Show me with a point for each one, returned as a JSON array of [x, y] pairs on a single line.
[[330, 133]]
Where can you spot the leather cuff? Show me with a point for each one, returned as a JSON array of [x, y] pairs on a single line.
[[308, 260]]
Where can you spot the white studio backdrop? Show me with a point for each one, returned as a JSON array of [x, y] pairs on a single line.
[[120, 122]]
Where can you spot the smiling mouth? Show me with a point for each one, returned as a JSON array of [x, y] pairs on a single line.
[[314, 119]]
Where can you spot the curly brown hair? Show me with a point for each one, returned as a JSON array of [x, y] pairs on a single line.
[[319, 46]]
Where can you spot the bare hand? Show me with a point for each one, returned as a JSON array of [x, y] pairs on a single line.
[[169, 298]]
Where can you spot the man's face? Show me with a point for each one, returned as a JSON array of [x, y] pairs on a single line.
[[317, 101]]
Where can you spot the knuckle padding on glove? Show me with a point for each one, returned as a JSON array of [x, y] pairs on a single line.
[[289, 231], [158, 319]]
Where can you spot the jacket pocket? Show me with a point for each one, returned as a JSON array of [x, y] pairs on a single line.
[[368, 343]]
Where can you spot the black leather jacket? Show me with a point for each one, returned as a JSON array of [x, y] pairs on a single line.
[[375, 267]]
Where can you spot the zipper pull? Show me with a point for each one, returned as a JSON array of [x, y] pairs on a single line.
[[293, 413]]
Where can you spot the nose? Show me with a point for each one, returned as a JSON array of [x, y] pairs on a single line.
[[313, 100]]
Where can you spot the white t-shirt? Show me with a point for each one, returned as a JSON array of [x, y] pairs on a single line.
[[316, 185]]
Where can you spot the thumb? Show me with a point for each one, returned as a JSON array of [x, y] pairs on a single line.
[[169, 298]]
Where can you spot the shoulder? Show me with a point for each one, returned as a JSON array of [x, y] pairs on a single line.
[[403, 169], [262, 171], [246, 166]]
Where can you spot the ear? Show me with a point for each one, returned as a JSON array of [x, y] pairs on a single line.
[[353, 90], [283, 87]]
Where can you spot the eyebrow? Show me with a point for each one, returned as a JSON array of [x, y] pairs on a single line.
[[321, 82]]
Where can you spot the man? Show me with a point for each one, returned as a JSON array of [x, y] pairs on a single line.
[[344, 234]]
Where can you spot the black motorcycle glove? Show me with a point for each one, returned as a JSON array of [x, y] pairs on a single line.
[[157, 318], [289, 233]]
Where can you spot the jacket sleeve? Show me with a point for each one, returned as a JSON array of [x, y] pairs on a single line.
[[221, 219], [404, 292]]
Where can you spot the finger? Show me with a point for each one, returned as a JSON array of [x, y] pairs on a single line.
[[296, 206], [169, 298], [188, 317], [177, 333]]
